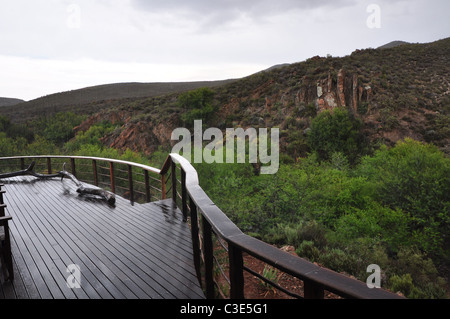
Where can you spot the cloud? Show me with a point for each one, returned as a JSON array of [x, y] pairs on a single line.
[[154, 40], [217, 13], [250, 6]]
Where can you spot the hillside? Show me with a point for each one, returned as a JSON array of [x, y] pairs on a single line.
[[392, 44], [397, 92], [4, 101], [93, 99]]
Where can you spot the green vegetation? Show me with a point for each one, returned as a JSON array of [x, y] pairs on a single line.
[[14, 131], [337, 206], [271, 274], [198, 105], [91, 139], [392, 209], [58, 129], [336, 131]]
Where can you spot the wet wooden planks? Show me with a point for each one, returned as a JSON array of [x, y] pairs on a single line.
[[139, 251]]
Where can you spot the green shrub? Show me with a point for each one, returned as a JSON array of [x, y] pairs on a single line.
[[414, 178], [305, 231], [58, 128], [308, 250], [414, 262], [378, 223], [12, 147], [336, 131], [91, 137], [198, 105], [403, 284], [339, 260], [415, 275], [271, 274], [42, 146], [15, 131]]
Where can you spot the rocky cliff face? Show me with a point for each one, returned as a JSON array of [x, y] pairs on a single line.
[[329, 93], [140, 136]]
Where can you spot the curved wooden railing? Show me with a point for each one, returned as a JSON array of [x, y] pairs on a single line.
[[136, 182], [211, 229]]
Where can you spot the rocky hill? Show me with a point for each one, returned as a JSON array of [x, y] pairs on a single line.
[[397, 92]]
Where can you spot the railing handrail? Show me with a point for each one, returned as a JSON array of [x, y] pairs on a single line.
[[110, 160], [293, 265], [147, 170]]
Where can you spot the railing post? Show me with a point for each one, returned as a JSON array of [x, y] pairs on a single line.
[[236, 272], [195, 238], [147, 187], [49, 165], [22, 163], [183, 195], [94, 170], [111, 176], [2, 203], [130, 182], [163, 187], [208, 258], [72, 163], [174, 181], [312, 291]]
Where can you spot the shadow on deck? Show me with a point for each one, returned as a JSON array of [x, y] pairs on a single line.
[[125, 251]]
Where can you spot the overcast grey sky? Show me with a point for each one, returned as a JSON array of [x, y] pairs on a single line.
[[49, 46]]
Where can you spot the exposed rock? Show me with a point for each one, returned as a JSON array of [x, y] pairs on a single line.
[[136, 137], [330, 100], [319, 90], [330, 83], [354, 105], [340, 87], [230, 108], [116, 117]]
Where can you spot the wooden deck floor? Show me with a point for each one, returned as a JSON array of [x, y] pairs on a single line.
[[140, 251]]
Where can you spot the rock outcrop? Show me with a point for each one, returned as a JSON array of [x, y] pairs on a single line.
[[344, 90]]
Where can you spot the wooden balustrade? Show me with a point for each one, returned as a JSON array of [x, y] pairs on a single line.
[[116, 175]]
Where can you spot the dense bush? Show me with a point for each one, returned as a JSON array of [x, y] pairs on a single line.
[[15, 131], [345, 217], [198, 105], [414, 178], [91, 137], [58, 128], [336, 131]]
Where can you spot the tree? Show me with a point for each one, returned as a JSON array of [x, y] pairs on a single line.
[[336, 131], [198, 105], [415, 178]]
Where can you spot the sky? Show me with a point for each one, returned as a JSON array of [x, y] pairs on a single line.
[[50, 46]]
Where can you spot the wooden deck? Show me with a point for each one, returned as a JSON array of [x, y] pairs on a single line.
[[123, 252]]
